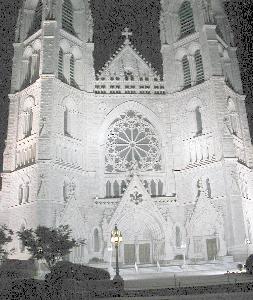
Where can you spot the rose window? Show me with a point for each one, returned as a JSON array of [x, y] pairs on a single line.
[[132, 143]]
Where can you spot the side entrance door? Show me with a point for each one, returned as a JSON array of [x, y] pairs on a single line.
[[212, 251]]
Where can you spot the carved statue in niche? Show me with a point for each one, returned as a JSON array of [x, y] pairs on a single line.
[[69, 190], [41, 192], [50, 6], [234, 182], [43, 127], [208, 12], [200, 188], [228, 124]]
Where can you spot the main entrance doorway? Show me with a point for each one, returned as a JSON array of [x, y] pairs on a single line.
[[212, 250], [137, 253]]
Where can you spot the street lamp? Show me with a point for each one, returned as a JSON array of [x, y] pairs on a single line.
[[116, 239]]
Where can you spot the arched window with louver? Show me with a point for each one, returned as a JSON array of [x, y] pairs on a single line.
[[37, 18], [67, 16], [72, 70], [199, 67], [60, 65], [186, 19], [186, 72]]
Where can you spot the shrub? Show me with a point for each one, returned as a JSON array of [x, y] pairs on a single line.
[[67, 270], [249, 264], [27, 289], [240, 267], [15, 268]]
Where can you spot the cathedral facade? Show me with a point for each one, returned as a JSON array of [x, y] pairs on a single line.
[[167, 157]]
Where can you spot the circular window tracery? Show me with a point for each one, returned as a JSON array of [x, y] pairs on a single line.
[[132, 143]]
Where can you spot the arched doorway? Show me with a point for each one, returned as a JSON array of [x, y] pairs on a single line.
[[143, 239]]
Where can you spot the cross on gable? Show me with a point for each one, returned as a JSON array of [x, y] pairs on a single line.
[[127, 34]]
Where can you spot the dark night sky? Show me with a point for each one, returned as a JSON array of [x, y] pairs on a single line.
[[111, 16]]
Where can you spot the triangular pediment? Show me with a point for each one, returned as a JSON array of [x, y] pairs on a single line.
[[72, 216], [205, 216]]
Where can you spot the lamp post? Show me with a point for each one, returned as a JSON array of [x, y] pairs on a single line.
[[116, 239]]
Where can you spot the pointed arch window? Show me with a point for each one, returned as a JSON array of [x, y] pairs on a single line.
[[199, 67], [28, 117], [37, 18], [72, 70], [27, 192], [67, 16], [153, 188], [178, 237], [108, 189], [198, 117], [67, 122], [20, 194], [186, 19], [186, 72], [96, 241], [160, 188], [116, 189], [60, 65]]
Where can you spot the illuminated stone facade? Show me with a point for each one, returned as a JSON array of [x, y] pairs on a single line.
[[168, 158]]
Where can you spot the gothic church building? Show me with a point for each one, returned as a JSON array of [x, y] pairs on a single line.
[[167, 157]]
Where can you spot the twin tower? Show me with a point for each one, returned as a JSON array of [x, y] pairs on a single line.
[[167, 157]]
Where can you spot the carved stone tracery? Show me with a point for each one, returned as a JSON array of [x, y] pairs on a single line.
[[132, 138]]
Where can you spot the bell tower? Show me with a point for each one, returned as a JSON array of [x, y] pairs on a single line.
[[52, 68], [201, 70]]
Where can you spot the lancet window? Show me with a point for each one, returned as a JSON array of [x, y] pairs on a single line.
[[20, 194], [198, 117], [67, 16], [37, 18], [72, 71], [67, 122], [186, 72], [132, 144], [186, 19], [27, 122], [178, 237], [199, 67], [70, 117], [60, 65]]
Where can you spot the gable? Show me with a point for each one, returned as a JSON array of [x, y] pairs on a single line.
[[127, 60]]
